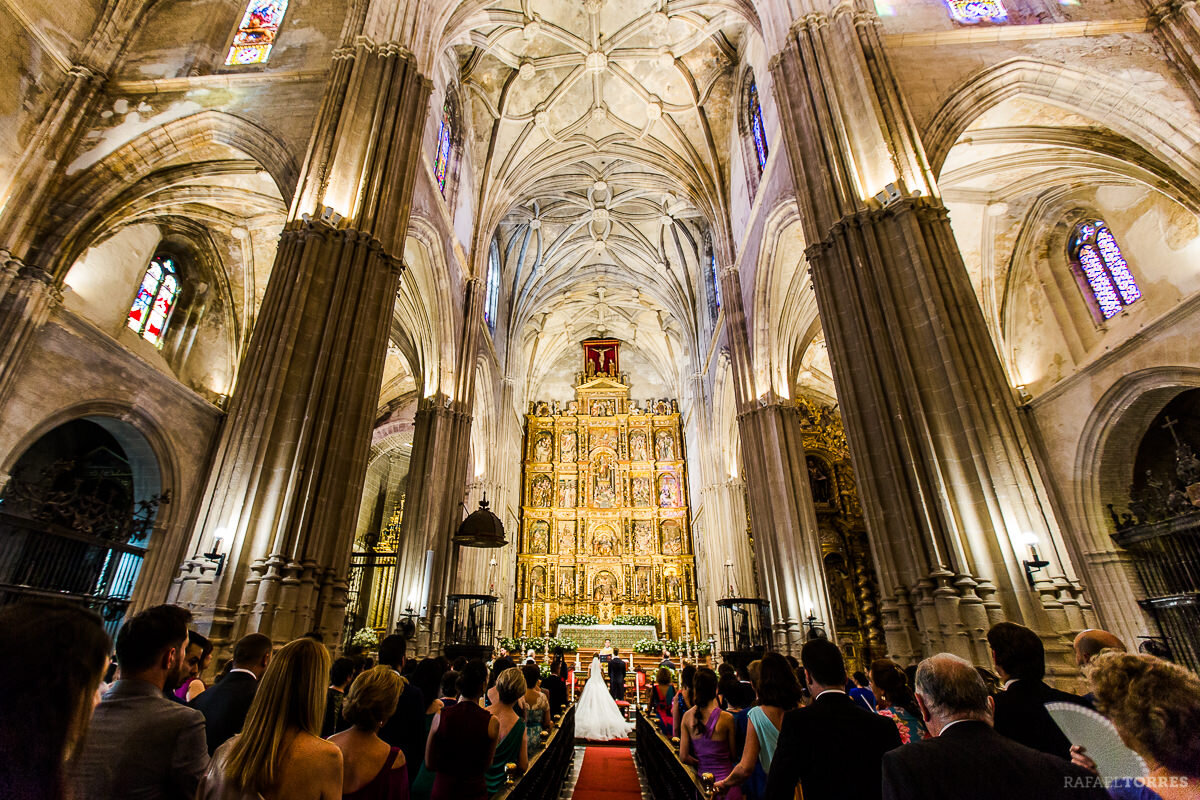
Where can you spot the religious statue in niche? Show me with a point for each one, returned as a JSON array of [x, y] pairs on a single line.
[[566, 494], [668, 491], [604, 438], [643, 579], [572, 407], [819, 480], [566, 583], [604, 408], [568, 450], [539, 537], [662, 407], [537, 583], [672, 536], [604, 587], [539, 493], [566, 538], [604, 477], [643, 537], [604, 541], [542, 446], [637, 445], [641, 492], [664, 445], [671, 582], [841, 591]]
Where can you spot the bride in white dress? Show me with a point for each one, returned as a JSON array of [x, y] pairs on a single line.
[[596, 714]]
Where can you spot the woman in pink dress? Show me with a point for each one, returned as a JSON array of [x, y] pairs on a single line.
[[709, 735]]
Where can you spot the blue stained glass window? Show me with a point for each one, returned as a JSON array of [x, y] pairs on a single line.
[[441, 159], [757, 130], [1095, 249], [491, 299], [972, 11], [155, 300], [714, 278], [256, 34]]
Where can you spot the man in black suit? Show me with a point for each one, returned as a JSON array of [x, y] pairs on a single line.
[[967, 757], [406, 727], [1021, 715], [832, 748], [616, 676], [225, 705]]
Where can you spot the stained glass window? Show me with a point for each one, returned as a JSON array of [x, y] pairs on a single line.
[[714, 279], [155, 300], [491, 299], [972, 11], [441, 159], [256, 35], [1095, 250], [757, 131]]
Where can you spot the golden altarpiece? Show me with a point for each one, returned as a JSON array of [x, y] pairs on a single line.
[[604, 519]]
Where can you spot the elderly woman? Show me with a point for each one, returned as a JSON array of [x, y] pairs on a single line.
[[1155, 706]]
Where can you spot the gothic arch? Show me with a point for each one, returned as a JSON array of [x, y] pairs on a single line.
[[425, 319], [1146, 122], [61, 237], [784, 305]]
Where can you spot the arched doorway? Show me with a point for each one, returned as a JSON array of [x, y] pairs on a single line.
[[76, 516], [1161, 526]]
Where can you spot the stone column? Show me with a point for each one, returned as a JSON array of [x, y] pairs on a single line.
[[947, 480], [288, 474], [1177, 26], [782, 518]]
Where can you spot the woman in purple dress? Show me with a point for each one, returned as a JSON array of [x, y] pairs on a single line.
[[709, 735]]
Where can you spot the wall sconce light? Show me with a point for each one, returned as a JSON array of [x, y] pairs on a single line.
[[815, 628], [216, 555], [1033, 563]]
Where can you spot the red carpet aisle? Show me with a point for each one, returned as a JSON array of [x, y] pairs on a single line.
[[608, 773]]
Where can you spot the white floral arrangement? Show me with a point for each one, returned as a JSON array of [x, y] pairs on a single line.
[[365, 638]]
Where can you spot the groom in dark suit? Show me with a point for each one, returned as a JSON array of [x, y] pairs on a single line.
[[616, 676]]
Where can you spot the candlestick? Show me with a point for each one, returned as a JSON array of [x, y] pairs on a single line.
[[663, 614], [500, 615], [711, 627], [547, 619], [687, 622], [524, 618]]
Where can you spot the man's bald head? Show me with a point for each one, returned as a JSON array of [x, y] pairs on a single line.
[[1094, 641]]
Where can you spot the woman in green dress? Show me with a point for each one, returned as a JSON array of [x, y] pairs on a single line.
[[510, 687]]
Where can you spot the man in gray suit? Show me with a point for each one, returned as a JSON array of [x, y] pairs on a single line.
[[140, 745]]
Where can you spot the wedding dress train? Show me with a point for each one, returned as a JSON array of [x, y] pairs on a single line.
[[596, 714]]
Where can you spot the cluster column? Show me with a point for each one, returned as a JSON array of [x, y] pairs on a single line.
[[289, 468], [948, 483]]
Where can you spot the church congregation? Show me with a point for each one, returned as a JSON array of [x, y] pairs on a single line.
[[599, 399]]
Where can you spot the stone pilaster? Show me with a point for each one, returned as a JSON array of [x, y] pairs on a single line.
[[288, 475], [1177, 26], [947, 479]]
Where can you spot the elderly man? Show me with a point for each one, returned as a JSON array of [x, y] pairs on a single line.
[[966, 757]]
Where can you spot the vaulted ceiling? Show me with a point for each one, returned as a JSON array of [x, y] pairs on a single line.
[[601, 142]]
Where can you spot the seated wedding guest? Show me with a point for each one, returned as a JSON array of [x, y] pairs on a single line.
[[895, 699], [778, 693], [833, 747], [406, 728], [1020, 711], [463, 741], [1155, 706], [860, 692], [196, 659], [55, 654], [662, 696], [340, 676], [683, 698], [709, 736], [428, 679], [966, 758], [279, 755], [371, 769], [226, 704], [141, 745], [537, 708], [512, 747]]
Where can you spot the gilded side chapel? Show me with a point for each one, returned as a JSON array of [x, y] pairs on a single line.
[[738, 323]]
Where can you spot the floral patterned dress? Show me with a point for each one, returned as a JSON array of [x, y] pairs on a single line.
[[911, 729]]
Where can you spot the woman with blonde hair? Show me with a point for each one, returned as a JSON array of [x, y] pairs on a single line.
[[510, 687], [1155, 706], [372, 769], [280, 753]]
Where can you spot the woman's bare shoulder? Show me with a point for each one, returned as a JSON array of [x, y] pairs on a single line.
[[311, 752]]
